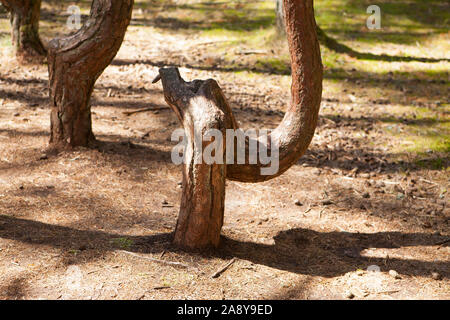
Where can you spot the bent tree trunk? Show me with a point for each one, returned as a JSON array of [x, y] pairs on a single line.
[[75, 63], [295, 132], [201, 210], [25, 29]]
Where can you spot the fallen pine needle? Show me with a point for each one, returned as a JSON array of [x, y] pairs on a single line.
[[170, 263], [223, 269], [387, 292], [129, 113]]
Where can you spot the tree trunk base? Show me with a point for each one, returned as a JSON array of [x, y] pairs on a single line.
[[58, 146], [75, 63]]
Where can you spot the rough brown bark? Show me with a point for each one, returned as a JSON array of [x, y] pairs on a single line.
[[200, 106], [75, 63], [25, 29], [295, 132]]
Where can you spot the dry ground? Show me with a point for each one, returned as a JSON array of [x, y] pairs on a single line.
[[86, 224]]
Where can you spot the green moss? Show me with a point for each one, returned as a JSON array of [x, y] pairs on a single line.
[[275, 65], [123, 243], [434, 164], [5, 42], [420, 139], [74, 252]]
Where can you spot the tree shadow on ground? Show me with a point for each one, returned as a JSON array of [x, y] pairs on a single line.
[[430, 13], [128, 151], [230, 23], [14, 133], [14, 289], [354, 152], [365, 160], [338, 47], [243, 19], [43, 100], [301, 251], [330, 254], [130, 148], [410, 84], [132, 104], [33, 99], [162, 64]]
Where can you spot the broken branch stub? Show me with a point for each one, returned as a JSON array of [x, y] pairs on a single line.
[[200, 107]]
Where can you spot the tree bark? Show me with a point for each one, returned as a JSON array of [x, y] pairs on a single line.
[[295, 132], [75, 63], [200, 107], [25, 30]]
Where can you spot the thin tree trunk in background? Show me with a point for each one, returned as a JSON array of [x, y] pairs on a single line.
[[75, 63], [281, 24], [25, 29]]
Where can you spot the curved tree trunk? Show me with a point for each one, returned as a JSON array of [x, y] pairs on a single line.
[[295, 132], [75, 63], [25, 29], [201, 104], [279, 11]]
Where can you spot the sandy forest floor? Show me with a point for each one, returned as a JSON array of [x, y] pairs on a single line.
[[93, 223]]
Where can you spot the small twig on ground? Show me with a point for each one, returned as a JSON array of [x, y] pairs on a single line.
[[211, 42], [142, 296], [320, 213], [170, 263], [428, 181], [162, 287], [129, 113], [94, 271], [390, 182], [308, 209], [247, 52], [386, 292], [223, 269], [440, 243]]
